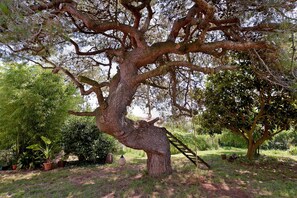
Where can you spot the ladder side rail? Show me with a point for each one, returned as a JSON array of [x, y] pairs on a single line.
[[183, 152], [190, 151]]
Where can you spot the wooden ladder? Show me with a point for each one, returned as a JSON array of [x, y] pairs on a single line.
[[185, 150]]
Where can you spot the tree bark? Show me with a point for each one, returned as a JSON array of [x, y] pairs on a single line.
[[252, 147], [140, 135], [144, 136]]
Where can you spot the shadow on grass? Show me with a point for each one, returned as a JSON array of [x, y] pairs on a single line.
[[267, 176]]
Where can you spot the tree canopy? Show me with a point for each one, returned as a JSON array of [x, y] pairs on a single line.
[[158, 43]]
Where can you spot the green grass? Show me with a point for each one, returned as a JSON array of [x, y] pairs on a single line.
[[272, 175]]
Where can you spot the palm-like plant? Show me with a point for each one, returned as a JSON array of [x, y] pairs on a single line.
[[46, 151]]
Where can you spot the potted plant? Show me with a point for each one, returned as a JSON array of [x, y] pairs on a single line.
[[14, 161], [46, 151], [14, 164]]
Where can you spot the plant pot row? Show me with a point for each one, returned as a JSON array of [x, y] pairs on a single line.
[[49, 165], [46, 166]]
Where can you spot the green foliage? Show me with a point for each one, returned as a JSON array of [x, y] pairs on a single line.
[[282, 141], [34, 103], [5, 156], [196, 142], [244, 103], [293, 150], [46, 151], [229, 139], [82, 138], [30, 160]]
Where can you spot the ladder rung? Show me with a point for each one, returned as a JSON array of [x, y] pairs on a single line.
[[184, 149]]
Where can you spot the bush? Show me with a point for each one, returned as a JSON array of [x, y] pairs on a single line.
[[282, 141], [30, 160], [230, 139], [293, 150], [5, 156], [83, 139]]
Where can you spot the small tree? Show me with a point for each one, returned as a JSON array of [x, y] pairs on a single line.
[[248, 106], [34, 102]]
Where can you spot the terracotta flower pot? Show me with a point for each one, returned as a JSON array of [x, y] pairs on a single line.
[[14, 167], [47, 166]]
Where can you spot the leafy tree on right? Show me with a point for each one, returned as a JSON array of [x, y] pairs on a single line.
[[242, 102]]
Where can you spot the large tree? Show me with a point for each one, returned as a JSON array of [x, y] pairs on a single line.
[[159, 43], [248, 106]]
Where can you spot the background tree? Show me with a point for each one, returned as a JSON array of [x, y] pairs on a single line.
[[34, 103], [247, 106], [163, 44]]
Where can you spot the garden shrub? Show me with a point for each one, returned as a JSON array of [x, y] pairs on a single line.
[[282, 141], [229, 139], [293, 150], [30, 160], [83, 139], [5, 158]]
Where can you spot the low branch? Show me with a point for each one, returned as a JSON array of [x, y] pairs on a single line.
[[74, 80], [96, 88], [151, 122], [82, 113]]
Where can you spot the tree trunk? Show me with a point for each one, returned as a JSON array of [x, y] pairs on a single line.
[[158, 165], [154, 142], [144, 136], [252, 147]]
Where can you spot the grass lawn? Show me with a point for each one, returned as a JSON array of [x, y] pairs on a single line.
[[272, 175]]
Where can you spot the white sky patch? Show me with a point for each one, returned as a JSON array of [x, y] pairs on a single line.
[[137, 111]]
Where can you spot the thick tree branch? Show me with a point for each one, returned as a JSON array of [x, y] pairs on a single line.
[[99, 27], [96, 88], [164, 69], [217, 49], [82, 113], [180, 23]]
